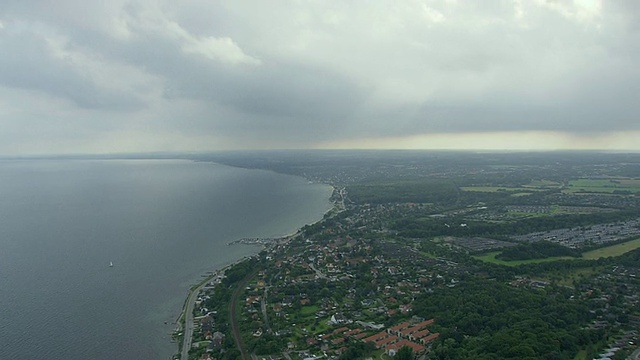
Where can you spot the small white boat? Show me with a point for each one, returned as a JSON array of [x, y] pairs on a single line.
[[110, 263]]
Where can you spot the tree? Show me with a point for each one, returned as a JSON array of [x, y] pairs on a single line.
[[405, 353]]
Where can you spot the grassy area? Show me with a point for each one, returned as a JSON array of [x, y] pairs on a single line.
[[613, 250], [603, 185], [609, 251], [533, 186], [521, 194], [321, 328], [201, 343], [427, 254], [581, 355], [575, 186], [543, 184], [527, 214], [630, 182], [309, 310], [486, 188], [568, 277], [519, 190], [491, 258]]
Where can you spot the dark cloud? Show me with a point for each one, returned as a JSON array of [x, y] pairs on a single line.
[[251, 74], [29, 62]]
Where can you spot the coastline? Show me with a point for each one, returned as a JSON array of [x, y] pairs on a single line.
[[184, 321], [187, 308]]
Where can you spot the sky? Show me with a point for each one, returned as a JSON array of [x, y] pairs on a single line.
[[117, 76]]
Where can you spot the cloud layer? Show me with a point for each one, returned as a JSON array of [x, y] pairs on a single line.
[[204, 75]]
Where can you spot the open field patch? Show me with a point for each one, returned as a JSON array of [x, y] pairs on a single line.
[[548, 184], [609, 251], [621, 185], [499, 188], [491, 258], [309, 310], [486, 188], [613, 250]]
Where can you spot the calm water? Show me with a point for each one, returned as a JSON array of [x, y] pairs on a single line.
[[161, 223]]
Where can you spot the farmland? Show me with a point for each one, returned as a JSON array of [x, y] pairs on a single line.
[[608, 186], [613, 250]]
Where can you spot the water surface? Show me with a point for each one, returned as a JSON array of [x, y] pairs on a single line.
[[162, 223]]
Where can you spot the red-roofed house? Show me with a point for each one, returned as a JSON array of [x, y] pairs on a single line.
[[419, 335], [342, 329], [429, 338], [393, 348], [376, 337], [411, 330], [360, 336], [353, 332], [426, 323], [386, 341], [398, 328]]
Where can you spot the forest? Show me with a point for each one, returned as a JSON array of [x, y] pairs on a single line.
[[492, 320]]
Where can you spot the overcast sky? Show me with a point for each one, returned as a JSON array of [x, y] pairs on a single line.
[[80, 76]]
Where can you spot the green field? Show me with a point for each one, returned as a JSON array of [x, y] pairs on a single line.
[[487, 188], [499, 188], [603, 185], [491, 258], [543, 184], [609, 251], [309, 310], [570, 276], [613, 250], [534, 185]]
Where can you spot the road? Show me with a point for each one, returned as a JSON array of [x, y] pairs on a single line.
[[319, 273], [188, 319]]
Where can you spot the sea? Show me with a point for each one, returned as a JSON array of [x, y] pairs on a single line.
[[163, 224]]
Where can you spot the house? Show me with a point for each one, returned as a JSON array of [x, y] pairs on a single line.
[[352, 332], [338, 319], [388, 340], [252, 300], [340, 330], [398, 328], [419, 335], [429, 338], [426, 323], [393, 349], [376, 337], [217, 339]]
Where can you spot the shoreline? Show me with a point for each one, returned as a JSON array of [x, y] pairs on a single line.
[[336, 208], [183, 322]]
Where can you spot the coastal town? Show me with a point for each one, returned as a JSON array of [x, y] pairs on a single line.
[[410, 280]]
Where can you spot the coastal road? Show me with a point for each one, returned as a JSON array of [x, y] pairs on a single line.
[[188, 319]]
